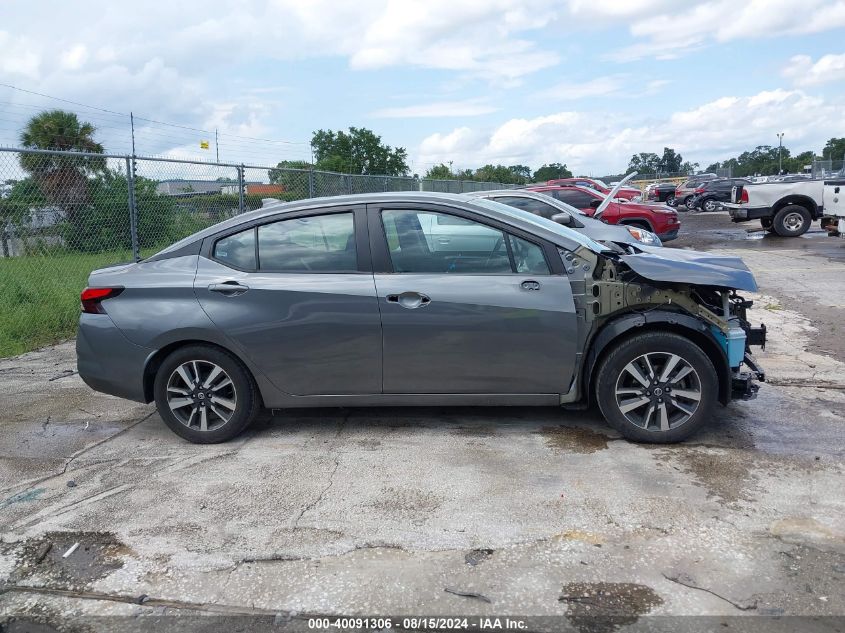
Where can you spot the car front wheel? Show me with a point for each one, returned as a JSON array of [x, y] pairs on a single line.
[[205, 395], [656, 387], [688, 201], [671, 201]]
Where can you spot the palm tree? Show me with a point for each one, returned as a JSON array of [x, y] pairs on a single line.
[[63, 179]]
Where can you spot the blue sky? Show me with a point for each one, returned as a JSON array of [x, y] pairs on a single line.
[[587, 83]]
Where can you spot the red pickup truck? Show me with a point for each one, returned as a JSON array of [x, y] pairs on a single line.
[[657, 218]]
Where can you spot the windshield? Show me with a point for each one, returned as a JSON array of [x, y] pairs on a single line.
[[542, 222]]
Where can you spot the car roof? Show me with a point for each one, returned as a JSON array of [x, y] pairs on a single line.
[[548, 230]]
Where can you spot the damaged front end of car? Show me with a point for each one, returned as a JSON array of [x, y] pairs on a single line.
[[686, 292]]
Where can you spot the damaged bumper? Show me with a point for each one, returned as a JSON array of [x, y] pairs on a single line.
[[743, 383]]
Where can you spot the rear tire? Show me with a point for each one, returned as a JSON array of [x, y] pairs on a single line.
[[709, 205], [667, 404], [671, 200], [688, 202], [205, 395], [791, 221]]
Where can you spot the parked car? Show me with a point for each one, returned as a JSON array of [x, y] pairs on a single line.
[[661, 192], [785, 208], [685, 191], [656, 218], [417, 299], [710, 195], [625, 193], [562, 213]]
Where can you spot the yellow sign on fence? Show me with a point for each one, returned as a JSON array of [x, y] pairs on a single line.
[[203, 144]]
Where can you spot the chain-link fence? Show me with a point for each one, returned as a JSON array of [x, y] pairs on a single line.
[[826, 167], [63, 214]]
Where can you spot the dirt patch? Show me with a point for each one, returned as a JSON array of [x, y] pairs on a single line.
[[53, 561], [602, 607], [574, 439], [726, 475], [476, 556]]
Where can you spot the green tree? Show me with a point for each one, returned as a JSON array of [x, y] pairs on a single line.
[[439, 172], [670, 162], [359, 151], [291, 175], [552, 171], [834, 149], [521, 174], [644, 163], [62, 179]]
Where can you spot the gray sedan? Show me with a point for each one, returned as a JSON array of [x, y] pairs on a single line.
[[417, 299], [562, 213]]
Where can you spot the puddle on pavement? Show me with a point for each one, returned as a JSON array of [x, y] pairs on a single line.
[[603, 607], [574, 439], [96, 555], [726, 476]]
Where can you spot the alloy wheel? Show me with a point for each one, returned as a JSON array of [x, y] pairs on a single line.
[[793, 222], [709, 205], [658, 391], [201, 395]]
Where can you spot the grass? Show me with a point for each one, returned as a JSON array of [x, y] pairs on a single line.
[[40, 297]]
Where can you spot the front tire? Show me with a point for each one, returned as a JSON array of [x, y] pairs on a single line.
[[205, 395], [791, 221], [688, 202], [709, 205], [671, 200], [656, 387]]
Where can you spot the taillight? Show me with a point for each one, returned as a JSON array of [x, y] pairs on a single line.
[[92, 297], [699, 190], [743, 198]]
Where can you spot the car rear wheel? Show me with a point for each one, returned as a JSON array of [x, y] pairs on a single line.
[[671, 200], [791, 221], [205, 395], [710, 205], [688, 202], [656, 387]]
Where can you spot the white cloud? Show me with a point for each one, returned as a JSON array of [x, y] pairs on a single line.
[[603, 143], [804, 72], [598, 87], [73, 58], [665, 32], [437, 109]]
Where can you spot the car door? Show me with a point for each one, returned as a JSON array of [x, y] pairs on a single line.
[[495, 321], [294, 293]]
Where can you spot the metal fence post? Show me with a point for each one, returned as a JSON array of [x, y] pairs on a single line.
[[349, 184], [133, 209], [311, 181], [241, 188]]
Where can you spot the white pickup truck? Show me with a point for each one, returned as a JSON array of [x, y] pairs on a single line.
[[788, 208]]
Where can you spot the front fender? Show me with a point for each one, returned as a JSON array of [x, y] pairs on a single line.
[[634, 323]]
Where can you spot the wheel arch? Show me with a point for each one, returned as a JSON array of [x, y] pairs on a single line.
[[157, 358], [800, 200], [637, 220], [632, 324]]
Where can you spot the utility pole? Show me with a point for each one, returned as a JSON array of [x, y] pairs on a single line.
[[780, 147], [216, 145], [132, 126]]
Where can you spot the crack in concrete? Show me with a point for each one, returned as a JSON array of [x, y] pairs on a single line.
[[34, 482], [686, 581], [334, 470]]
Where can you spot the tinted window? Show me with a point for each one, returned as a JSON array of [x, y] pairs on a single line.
[[537, 207], [317, 243], [431, 242], [577, 199], [528, 257], [237, 250]]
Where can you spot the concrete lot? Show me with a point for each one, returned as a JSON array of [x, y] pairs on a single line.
[[385, 511]]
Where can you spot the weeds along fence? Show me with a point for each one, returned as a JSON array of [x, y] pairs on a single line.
[[63, 214]]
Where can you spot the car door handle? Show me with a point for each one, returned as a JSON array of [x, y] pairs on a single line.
[[410, 300], [229, 288], [530, 284]]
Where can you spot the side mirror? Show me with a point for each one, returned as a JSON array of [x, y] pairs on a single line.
[[595, 203], [562, 218]]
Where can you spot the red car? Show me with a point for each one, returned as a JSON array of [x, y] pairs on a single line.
[[656, 218], [626, 193]]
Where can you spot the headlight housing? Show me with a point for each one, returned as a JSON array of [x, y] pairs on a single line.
[[646, 237]]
